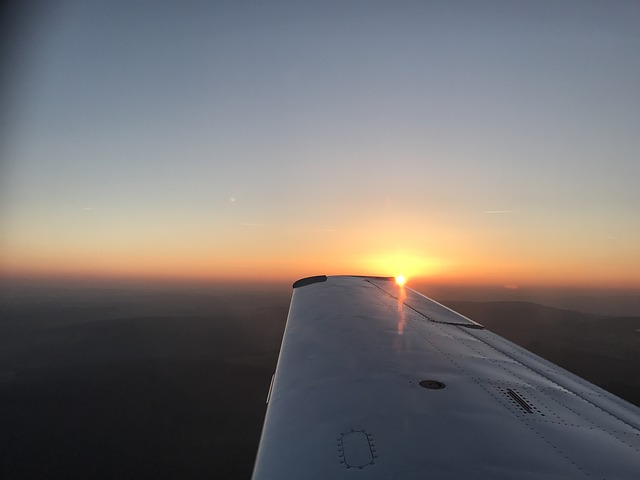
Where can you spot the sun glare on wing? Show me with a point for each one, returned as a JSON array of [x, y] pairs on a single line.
[[400, 280]]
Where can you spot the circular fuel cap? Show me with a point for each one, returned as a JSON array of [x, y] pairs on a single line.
[[432, 384]]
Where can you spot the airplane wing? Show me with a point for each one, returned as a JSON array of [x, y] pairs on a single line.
[[378, 381]]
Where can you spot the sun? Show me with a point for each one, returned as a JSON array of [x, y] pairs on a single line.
[[400, 280], [408, 265]]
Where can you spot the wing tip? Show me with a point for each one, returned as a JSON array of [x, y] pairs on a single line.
[[303, 282]]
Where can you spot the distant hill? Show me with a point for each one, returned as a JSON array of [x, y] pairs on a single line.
[[127, 384], [177, 391]]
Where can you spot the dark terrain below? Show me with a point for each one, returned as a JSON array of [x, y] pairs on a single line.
[[129, 384]]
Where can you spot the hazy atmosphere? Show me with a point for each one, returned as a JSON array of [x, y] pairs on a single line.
[[466, 142], [168, 169]]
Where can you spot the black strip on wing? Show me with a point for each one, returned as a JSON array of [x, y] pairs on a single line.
[[303, 282], [520, 401]]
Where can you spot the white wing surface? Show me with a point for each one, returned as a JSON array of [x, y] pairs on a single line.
[[377, 381]]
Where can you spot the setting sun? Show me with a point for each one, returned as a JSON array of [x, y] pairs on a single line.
[[400, 280]]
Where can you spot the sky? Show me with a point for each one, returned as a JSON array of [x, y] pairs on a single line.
[[490, 142]]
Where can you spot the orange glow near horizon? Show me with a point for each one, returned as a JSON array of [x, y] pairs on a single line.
[[291, 252], [280, 267]]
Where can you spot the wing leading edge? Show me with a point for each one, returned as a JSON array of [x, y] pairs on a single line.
[[375, 380]]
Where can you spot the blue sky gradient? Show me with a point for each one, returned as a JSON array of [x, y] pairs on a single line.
[[493, 140]]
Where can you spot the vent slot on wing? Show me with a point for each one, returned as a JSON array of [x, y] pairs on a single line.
[[519, 400]]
